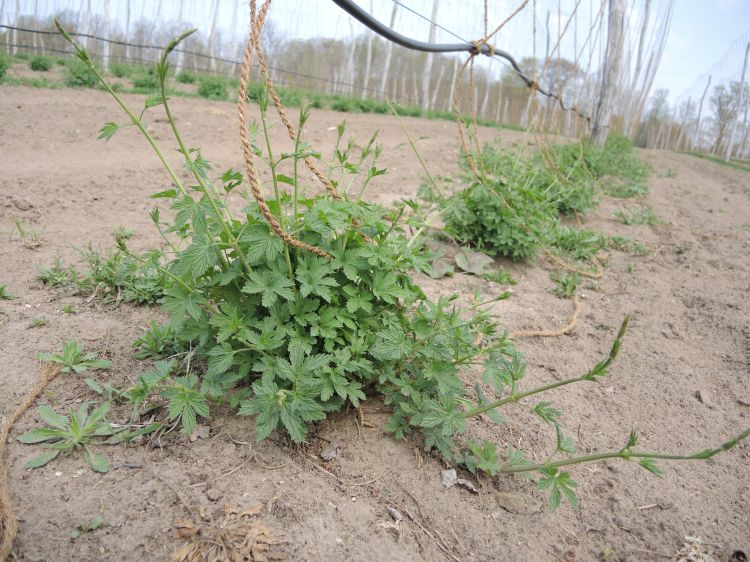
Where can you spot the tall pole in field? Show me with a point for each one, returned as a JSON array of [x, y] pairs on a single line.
[[611, 74], [105, 44], [212, 36], [427, 72], [388, 52], [742, 103], [368, 61], [630, 118], [697, 134]]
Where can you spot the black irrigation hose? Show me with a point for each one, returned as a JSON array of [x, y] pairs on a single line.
[[365, 18]]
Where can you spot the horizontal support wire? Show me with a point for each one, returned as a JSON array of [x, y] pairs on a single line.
[[186, 52]]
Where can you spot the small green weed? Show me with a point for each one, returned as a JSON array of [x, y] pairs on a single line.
[[5, 293], [146, 82], [64, 435], [40, 64], [78, 75], [500, 276], [637, 215], [73, 359], [38, 323], [670, 173], [87, 527], [4, 65], [120, 277], [576, 243], [106, 391], [625, 189], [155, 343], [57, 274], [124, 233], [121, 70], [68, 308], [28, 235], [565, 284], [212, 88], [186, 77]]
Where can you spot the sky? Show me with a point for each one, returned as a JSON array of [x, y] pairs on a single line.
[[702, 33], [706, 35]]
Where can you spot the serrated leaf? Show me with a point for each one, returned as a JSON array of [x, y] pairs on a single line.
[[197, 258], [391, 344], [108, 131], [314, 278], [220, 359], [650, 465], [153, 101], [259, 243], [270, 285], [548, 412]]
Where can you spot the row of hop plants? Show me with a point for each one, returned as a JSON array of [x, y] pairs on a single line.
[[304, 305], [138, 78], [514, 204]]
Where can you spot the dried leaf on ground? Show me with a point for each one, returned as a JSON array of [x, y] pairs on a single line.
[[232, 534], [520, 504], [450, 479], [332, 451], [440, 268], [694, 550], [473, 262]]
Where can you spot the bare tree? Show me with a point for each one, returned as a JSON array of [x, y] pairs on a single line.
[[14, 35], [427, 72], [611, 72], [697, 137], [741, 103], [105, 44], [630, 116], [212, 36], [388, 52], [368, 61]]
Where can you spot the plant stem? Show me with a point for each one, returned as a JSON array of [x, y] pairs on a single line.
[[272, 164], [137, 122], [416, 152], [204, 188], [296, 163], [629, 454], [598, 370], [166, 272], [516, 397]]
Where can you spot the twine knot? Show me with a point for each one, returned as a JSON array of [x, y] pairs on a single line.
[[477, 48]]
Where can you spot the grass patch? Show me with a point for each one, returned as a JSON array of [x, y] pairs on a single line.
[[78, 75], [213, 88], [637, 215], [741, 165], [40, 64]]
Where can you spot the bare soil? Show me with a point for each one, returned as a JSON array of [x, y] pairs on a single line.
[[681, 379]]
